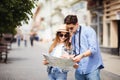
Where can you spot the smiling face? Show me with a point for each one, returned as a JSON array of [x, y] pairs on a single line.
[[63, 36], [71, 22], [72, 28]]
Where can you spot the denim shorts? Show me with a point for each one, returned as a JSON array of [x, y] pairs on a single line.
[[95, 75], [56, 74]]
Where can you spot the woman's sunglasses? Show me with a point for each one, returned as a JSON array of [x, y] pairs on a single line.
[[63, 35]]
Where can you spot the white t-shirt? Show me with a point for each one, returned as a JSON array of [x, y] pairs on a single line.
[[57, 51]]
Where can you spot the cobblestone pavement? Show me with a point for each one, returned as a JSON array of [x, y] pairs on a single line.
[[25, 63]]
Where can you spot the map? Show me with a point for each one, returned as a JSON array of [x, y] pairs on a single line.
[[59, 62]]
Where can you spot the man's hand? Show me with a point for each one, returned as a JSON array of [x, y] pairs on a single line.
[[78, 58], [75, 65]]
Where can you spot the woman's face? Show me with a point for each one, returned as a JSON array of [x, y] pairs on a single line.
[[63, 36]]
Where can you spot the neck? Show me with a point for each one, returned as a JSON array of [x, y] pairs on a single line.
[[61, 42]]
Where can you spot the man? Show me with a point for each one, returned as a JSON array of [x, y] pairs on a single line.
[[85, 48]]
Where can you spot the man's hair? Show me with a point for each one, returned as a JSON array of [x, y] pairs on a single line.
[[70, 19]]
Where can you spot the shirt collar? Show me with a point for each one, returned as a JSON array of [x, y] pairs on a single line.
[[77, 30]]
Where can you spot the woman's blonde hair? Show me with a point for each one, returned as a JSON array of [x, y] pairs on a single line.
[[57, 40]]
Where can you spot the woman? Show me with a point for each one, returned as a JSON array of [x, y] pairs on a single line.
[[60, 43]]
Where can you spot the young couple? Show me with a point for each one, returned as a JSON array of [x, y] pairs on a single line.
[[85, 49]]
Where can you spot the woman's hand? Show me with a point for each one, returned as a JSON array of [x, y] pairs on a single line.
[[65, 55], [71, 56], [45, 62]]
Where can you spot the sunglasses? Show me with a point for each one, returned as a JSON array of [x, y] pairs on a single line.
[[65, 35], [70, 28]]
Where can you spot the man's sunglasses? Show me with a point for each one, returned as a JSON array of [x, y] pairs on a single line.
[[71, 28]]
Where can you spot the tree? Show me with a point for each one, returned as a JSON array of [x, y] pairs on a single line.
[[13, 12]]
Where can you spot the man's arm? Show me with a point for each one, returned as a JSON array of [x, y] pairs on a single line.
[[82, 55]]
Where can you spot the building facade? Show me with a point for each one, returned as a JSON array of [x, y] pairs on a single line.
[[111, 23], [105, 19]]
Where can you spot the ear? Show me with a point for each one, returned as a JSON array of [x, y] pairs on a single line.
[[77, 24]]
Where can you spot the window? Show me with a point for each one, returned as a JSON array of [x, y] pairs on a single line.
[[101, 30], [108, 27]]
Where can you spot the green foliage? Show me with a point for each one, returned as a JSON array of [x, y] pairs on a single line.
[[12, 12]]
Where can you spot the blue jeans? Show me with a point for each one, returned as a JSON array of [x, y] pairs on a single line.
[[19, 42], [25, 42], [57, 75], [95, 75]]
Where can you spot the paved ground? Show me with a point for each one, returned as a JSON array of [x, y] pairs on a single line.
[[25, 63], [112, 67]]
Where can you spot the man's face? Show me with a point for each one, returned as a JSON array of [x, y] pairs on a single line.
[[72, 28]]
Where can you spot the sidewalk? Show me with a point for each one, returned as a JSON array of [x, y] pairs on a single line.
[[111, 63], [24, 63]]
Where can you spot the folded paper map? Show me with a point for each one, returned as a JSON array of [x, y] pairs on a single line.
[[59, 62]]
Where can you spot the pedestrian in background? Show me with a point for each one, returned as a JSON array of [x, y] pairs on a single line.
[[60, 43], [25, 37], [19, 38], [32, 36], [85, 48]]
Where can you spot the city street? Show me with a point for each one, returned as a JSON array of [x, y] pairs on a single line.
[[25, 63], [40, 21]]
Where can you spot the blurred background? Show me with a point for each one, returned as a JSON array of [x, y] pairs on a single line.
[[42, 17], [102, 15]]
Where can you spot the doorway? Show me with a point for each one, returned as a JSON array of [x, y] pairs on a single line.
[[118, 22]]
